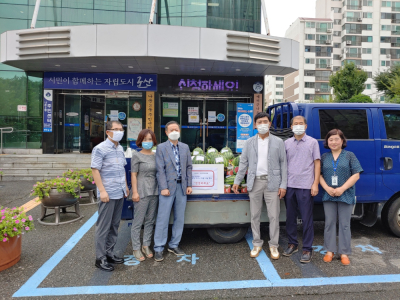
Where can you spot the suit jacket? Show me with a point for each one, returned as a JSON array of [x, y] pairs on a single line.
[[277, 164], [166, 167]]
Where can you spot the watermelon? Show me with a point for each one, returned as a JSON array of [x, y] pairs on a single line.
[[228, 155], [197, 151], [211, 150], [230, 179], [226, 149], [235, 170], [219, 159], [199, 160], [236, 161]]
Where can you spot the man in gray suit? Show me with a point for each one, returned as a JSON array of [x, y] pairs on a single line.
[[174, 176], [264, 158]]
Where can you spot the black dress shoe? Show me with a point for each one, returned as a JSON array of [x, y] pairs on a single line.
[[306, 257], [103, 264], [158, 256], [177, 251], [115, 260], [290, 250]]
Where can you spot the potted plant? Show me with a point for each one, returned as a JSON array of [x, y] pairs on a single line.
[[13, 223], [59, 191], [86, 177]]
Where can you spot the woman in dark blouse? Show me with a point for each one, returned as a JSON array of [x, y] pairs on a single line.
[[340, 170]]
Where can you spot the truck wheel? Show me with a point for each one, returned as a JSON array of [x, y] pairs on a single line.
[[227, 235], [391, 216]]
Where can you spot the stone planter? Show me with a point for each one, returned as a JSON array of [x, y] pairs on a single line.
[[87, 185], [59, 199], [10, 252]]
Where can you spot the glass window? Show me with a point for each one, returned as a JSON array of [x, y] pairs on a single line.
[[309, 84], [310, 24], [88, 4], [12, 92], [392, 123], [12, 11], [77, 15], [35, 94], [16, 139], [366, 50], [367, 15], [109, 17], [47, 13], [279, 86], [353, 123], [110, 4], [368, 86], [386, 3]]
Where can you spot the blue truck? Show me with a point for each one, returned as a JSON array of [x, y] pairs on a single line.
[[373, 134]]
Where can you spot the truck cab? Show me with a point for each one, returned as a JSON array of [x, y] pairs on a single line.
[[373, 135]]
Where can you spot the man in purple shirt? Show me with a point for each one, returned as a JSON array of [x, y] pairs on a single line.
[[304, 169]]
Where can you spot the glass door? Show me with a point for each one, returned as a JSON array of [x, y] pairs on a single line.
[[216, 123], [72, 123], [117, 108], [192, 127]]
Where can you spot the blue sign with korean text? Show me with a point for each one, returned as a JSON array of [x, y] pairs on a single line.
[[100, 81], [244, 124], [47, 111]]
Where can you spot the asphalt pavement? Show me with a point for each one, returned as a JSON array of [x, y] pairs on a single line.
[[57, 262]]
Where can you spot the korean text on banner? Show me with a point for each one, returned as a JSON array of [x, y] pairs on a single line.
[[257, 105], [47, 110], [244, 124], [150, 110]]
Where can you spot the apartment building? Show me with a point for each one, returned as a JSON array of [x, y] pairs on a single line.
[[369, 36], [364, 32], [316, 53], [273, 90]]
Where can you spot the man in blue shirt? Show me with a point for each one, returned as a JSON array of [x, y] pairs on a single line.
[[108, 162]]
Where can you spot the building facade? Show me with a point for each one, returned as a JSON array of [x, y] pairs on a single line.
[[273, 90], [367, 34], [77, 69]]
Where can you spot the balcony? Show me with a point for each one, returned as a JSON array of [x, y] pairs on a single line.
[[322, 29], [358, 19], [356, 31], [323, 42], [353, 55], [395, 32], [354, 7], [395, 21], [395, 8], [323, 54], [322, 91], [394, 44], [321, 78], [323, 66]]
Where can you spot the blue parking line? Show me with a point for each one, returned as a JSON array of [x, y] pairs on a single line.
[[264, 262], [30, 288]]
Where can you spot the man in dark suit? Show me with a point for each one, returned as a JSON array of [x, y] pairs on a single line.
[[174, 176]]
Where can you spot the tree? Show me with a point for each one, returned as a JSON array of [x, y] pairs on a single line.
[[360, 98], [348, 82], [322, 100], [384, 80]]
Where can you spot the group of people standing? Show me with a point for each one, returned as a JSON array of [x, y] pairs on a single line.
[[290, 170], [160, 184], [293, 170]]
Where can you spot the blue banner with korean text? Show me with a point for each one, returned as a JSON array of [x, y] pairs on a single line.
[[47, 111], [244, 124], [100, 81]]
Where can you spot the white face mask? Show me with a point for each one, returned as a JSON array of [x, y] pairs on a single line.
[[117, 135], [299, 129], [174, 135], [263, 128]]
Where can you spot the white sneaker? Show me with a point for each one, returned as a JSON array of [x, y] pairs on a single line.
[[274, 253], [255, 252]]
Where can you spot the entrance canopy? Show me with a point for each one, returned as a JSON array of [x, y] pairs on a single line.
[[149, 49]]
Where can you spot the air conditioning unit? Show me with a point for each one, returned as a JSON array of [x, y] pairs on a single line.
[[340, 56], [348, 42], [359, 19], [388, 56], [328, 42], [329, 30]]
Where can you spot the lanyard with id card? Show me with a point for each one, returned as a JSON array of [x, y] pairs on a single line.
[[334, 177]]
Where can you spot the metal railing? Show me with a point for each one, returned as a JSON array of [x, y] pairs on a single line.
[[4, 130], [354, 7], [322, 78]]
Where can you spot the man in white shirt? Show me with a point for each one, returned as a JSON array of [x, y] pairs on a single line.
[[264, 157]]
